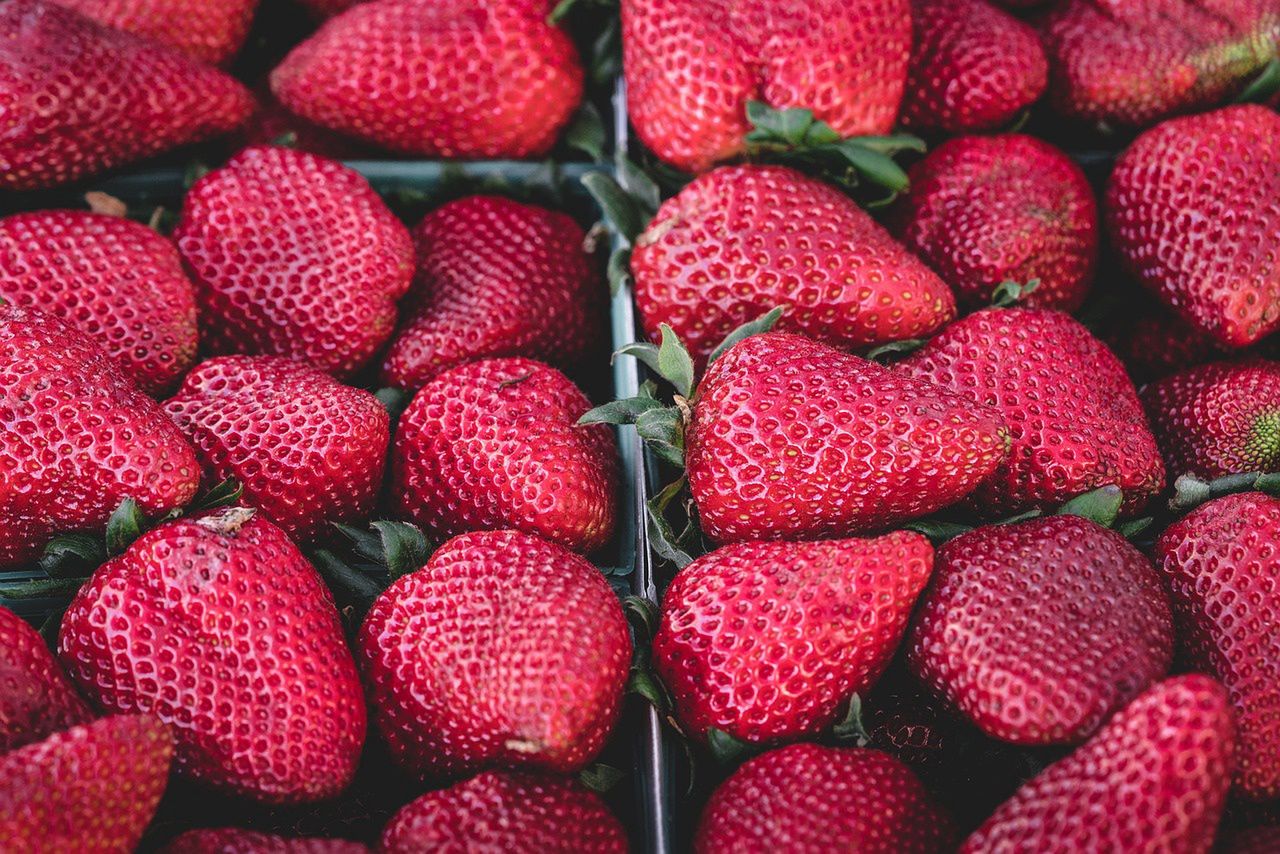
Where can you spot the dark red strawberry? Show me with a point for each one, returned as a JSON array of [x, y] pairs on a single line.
[[983, 210], [1254, 840], [219, 627], [1154, 342], [229, 840], [210, 30], [79, 98], [496, 278], [36, 699]]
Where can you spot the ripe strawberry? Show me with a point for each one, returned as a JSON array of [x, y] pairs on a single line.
[[504, 811], [92, 788], [36, 699], [973, 67], [1154, 778], [451, 78], [1221, 562], [692, 65], [1039, 631], [219, 626], [1074, 418], [496, 278], [80, 98], [116, 280], [497, 444], [791, 439], [78, 438], [542, 642], [211, 31], [741, 240], [1154, 342], [1191, 211], [308, 450], [813, 624], [810, 798], [294, 255], [985, 210], [230, 840]]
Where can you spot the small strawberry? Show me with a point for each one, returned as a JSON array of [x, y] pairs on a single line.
[[36, 699], [211, 31], [229, 840]]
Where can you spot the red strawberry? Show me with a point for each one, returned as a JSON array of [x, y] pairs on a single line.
[[1153, 779], [791, 439], [93, 788], [78, 438], [79, 98], [1039, 631], [692, 65], [118, 281], [1221, 563], [308, 450], [447, 78], [1191, 208], [502, 811], [985, 210], [211, 31], [812, 624], [219, 626], [1075, 420], [496, 444], [229, 840], [294, 255], [1154, 342], [496, 278], [973, 67], [741, 240], [35, 697], [539, 637], [810, 798]]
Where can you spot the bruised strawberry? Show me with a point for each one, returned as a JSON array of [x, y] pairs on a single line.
[[228, 840], [211, 30], [35, 697]]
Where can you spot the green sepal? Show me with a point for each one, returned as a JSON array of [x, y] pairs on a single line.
[[642, 682], [728, 750], [124, 526], [662, 430], [1262, 87], [620, 209], [618, 270], [43, 588], [904, 347], [1009, 292], [395, 401], [624, 411], [288, 139], [194, 171], [1033, 513], [397, 547], [586, 132], [669, 360], [937, 530], [226, 493], [793, 126], [599, 777], [72, 555], [1190, 492], [354, 583], [662, 537], [51, 626], [644, 614], [851, 730], [1100, 506], [875, 166], [642, 188], [1135, 527], [763, 323]]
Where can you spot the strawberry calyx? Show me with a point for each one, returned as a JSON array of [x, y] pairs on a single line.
[[1100, 506], [371, 559], [627, 204], [1009, 293], [1190, 492]]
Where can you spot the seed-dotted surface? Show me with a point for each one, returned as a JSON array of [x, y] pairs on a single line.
[[36, 699], [228, 840], [209, 30]]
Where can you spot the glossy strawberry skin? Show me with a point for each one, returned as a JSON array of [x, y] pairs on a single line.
[[988, 209], [1221, 168], [78, 438], [453, 78], [36, 700], [228, 840], [211, 31], [505, 811], [116, 280], [218, 626], [496, 278], [691, 66], [294, 255], [105, 98], [743, 240], [791, 439]]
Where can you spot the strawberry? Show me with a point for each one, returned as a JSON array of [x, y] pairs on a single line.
[[92, 788], [229, 840], [986, 210], [813, 623], [973, 67], [496, 278], [504, 811], [810, 798], [211, 31], [1221, 562], [294, 255], [1154, 342], [117, 280], [1153, 779], [80, 98], [308, 450], [496, 444], [1220, 168], [1264, 839], [78, 438], [691, 66], [542, 642], [1039, 631], [741, 240], [1073, 415], [219, 626], [36, 699], [448, 78]]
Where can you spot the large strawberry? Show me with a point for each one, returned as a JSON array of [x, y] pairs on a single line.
[[1191, 209], [210, 30], [79, 97], [219, 626], [78, 438], [1154, 342], [496, 278], [228, 840], [983, 210], [504, 650], [294, 255], [445, 78], [741, 240], [117, 280], [35, 697]]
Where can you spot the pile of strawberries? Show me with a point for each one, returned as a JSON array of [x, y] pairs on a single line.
[[964, 447]]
